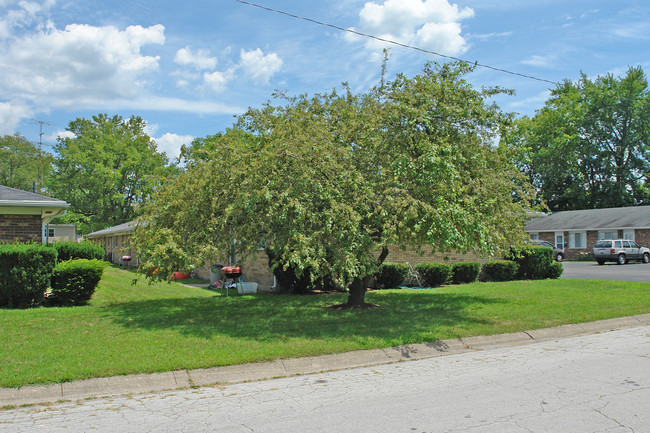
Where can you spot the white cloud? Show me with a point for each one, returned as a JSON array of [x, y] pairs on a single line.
[[61, 134], [10, 114], [428, 24], [495, 35], [171, 144], [199, 60], [537, 100], [541, 61], [260, 67], [25, 14], [79, 64], [217, 81], [156, 103]]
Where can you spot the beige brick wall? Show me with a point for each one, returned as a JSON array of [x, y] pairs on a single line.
[[257, 269], [397, 255], [20, 228], [117, 246]]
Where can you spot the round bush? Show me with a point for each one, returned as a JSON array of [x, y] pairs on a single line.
[[75, 281], [465, 272], [25, 271], [555, 270], [534, 261], [391, 275], [433, 274], [499, 270]]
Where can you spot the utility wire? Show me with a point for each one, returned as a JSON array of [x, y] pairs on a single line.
[[388, 41]]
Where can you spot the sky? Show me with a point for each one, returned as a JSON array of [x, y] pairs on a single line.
[[189, 68]]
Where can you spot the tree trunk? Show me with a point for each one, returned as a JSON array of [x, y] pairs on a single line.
[[359, 286], [357, 292]]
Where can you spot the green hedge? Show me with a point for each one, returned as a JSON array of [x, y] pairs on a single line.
[[534, 261], [25, 272], [79, 250], [75, 281], [499, 270], [555, 270], [465, 272], [391, 275], [433, 274]]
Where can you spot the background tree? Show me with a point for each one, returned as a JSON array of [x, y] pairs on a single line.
[[22, 165], [106, 170], [588, 147], [330, 183]]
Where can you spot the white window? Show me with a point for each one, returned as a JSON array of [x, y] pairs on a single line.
[[628, 234], [578, 240], [48, 233], [607, 235], [534, 236], [559, 240]]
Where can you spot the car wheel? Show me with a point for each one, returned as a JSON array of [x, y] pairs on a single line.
[[646, 258], [621, 259], [600, 262], [559, 257]]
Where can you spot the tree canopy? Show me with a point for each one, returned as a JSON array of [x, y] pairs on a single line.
[[22, 164], [331, 182], [106, 170], [588, 147]]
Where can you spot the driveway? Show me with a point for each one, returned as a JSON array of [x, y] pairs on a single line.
[[633, 271]]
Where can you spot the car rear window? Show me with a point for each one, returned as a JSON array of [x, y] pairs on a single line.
[[603, 244]]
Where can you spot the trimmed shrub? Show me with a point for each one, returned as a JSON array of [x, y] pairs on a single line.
[[75, 281], [499, 270], [433, 274], [79, 250], [465, 272], [555, 270], [25, 271], [391, 275], [534, 261]]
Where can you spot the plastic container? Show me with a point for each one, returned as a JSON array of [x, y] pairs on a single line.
[[247, 288]]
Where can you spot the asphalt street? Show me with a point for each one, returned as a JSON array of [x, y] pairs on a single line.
[[590, 383], [633, 271]]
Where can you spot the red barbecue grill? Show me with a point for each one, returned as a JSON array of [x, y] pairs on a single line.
[[232, 273]]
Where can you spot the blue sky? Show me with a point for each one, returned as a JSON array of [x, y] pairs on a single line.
[[187, 68]]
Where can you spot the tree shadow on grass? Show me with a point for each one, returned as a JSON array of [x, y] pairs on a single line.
[[403, 317]]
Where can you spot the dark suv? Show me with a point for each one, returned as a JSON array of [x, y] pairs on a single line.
[[558, 254], [620, 251]]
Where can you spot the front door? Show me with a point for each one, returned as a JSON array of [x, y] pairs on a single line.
[[559, 240]]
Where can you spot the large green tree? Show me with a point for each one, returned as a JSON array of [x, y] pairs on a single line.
[[330, 183], [589, 146], [106, 170], [22, 164]]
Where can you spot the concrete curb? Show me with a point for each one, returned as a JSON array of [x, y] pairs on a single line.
[[146, 383]]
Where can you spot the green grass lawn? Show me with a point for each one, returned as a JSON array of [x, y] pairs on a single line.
[[150, 328]]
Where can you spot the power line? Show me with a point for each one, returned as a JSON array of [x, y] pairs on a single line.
[[388, 41]]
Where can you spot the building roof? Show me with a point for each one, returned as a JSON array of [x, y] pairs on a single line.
[[635, 217], [115, 230], [16, 197]]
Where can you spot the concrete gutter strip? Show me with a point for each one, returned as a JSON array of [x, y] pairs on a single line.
[[146, 383]]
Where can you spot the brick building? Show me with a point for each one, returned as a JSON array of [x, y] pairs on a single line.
[[577, 231], [24, 216], [115, 241]]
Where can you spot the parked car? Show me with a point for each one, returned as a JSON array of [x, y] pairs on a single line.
[[558, 254], [620, 251]]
